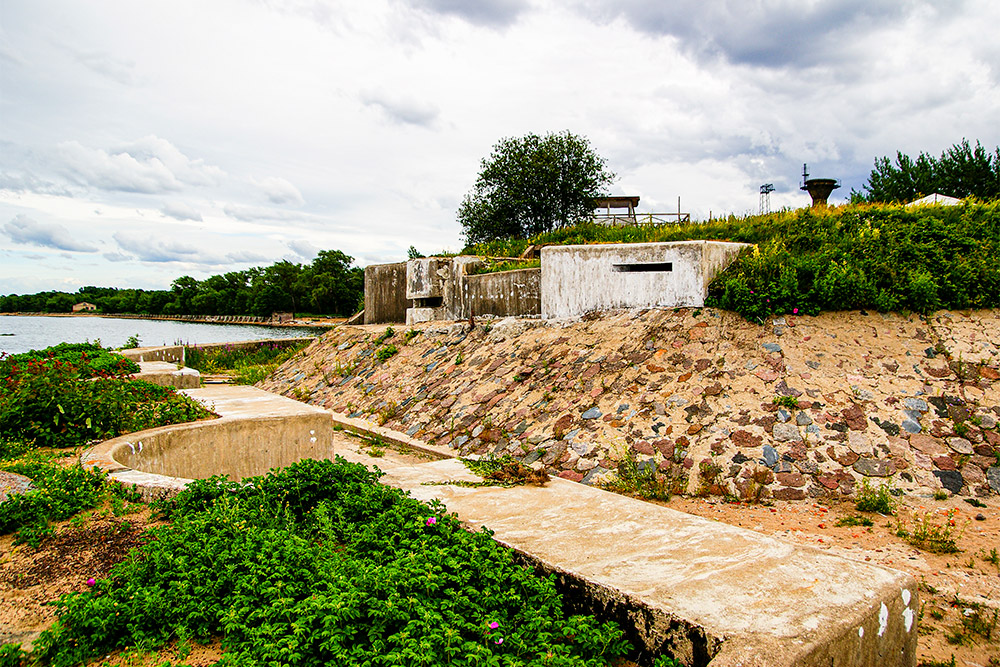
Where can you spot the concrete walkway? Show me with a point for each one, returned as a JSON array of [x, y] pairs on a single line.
[[706, 592]]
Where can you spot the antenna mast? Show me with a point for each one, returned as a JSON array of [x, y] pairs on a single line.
[[765, 198]]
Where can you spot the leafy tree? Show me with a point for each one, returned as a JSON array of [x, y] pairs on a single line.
[[532, 184], [961, 171]]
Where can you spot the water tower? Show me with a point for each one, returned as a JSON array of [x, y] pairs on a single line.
[[818, 188]]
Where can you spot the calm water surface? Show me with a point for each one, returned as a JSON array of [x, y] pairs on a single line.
[[20, 334]]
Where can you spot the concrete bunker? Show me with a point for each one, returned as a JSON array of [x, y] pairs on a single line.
[[583, 278], [572, 281]]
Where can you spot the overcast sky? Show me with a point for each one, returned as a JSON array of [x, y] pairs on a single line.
[[143, 141]]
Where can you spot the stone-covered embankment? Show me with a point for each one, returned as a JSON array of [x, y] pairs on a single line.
[[800, 407]]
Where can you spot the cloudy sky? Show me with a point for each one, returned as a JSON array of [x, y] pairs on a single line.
[[143, 141]]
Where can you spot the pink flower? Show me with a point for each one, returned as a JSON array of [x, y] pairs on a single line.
[[431, 521], [795, 311], [499, 641], [494, 625], [91, 581]]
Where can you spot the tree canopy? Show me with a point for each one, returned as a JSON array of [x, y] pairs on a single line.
[[961, 171], [533, 184], [329, 285]]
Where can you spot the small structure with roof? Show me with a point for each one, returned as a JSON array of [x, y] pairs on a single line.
[[84, 307]]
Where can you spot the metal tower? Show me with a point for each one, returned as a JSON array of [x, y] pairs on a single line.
[[765, 197]]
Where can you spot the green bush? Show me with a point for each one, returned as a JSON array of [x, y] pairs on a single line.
[[880, 500], [337, 569], [61, 492], [868, 256], [50, 402], [90, 360]]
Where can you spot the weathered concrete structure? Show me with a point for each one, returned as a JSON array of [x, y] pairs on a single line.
[[385, 293], [256, 431], [699, 590], [504, 294], [437, 287], [582, 278], [168, 374]]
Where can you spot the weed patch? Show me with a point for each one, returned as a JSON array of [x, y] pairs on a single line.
[[337, 569]]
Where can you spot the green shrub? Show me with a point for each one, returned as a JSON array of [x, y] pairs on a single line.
[[878, 256], [386, 352], [50, 402], [61, 492], [880, 500], [337, 569]]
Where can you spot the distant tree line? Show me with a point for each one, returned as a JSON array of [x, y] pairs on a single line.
[[962, 171], [329, 286]]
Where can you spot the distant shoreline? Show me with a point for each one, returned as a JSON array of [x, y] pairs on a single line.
[[310, 323]]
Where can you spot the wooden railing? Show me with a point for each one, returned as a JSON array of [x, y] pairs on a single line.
[[641, 219]]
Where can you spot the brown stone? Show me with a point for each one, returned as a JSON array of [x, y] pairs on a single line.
[[563, 423], [791, 479], [767, 375], [653, 368], [685, 377], [848, 458], [665, 447], [855, 418], [989, 373], [694, 428], [746, 439], [829, 481], [571, 475], [702, 364], [944, 462], [788, 494], [643, 447], [713, 390], [927, 445]]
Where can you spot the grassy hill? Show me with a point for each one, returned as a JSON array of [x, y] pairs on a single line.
[[871, 256]]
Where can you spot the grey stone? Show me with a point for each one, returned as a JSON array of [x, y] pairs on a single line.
[[646, 465], [583, 465], [532, 457], [813, 364], [782, 466], [521, 428], [581, 447], [571, 434], [592, 474], [960, 445], [460, 440], [413, 429], [911, 426], [812, 428], [771, 347], [930, 352], [622, 408], [807, 467], [917, 404], [786, 433], [993, 477], [659, 408], [862, 394], [783, 415], [770, 456], [950, 479], [874, 467], [537, 439], [476, 431], [987, 421], [803, 419], [750, 365]]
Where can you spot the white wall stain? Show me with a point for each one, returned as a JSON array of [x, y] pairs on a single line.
[[883, 619], [908, 618], [861, 631], [906, 597]]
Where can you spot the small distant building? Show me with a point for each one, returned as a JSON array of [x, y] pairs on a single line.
[[282, 318], [84, 307], [935, 199]]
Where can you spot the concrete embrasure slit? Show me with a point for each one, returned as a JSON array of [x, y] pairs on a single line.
[[643, 267]]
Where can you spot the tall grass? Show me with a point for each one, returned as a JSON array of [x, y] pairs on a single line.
[[869, 256]]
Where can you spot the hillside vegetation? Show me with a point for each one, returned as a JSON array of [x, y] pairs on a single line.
[[867, 256]]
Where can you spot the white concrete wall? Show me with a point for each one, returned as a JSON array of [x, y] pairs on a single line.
[[582, 278]]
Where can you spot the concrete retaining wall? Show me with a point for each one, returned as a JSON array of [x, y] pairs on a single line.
[[583, 278], [385, 293], [256, 431], [505, 294]]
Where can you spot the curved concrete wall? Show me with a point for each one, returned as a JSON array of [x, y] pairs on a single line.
[[256, 431]]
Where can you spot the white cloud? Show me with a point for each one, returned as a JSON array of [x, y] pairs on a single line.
[[279, 191], [180, 211], [150, 166], [303, 249], [22, 229]]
